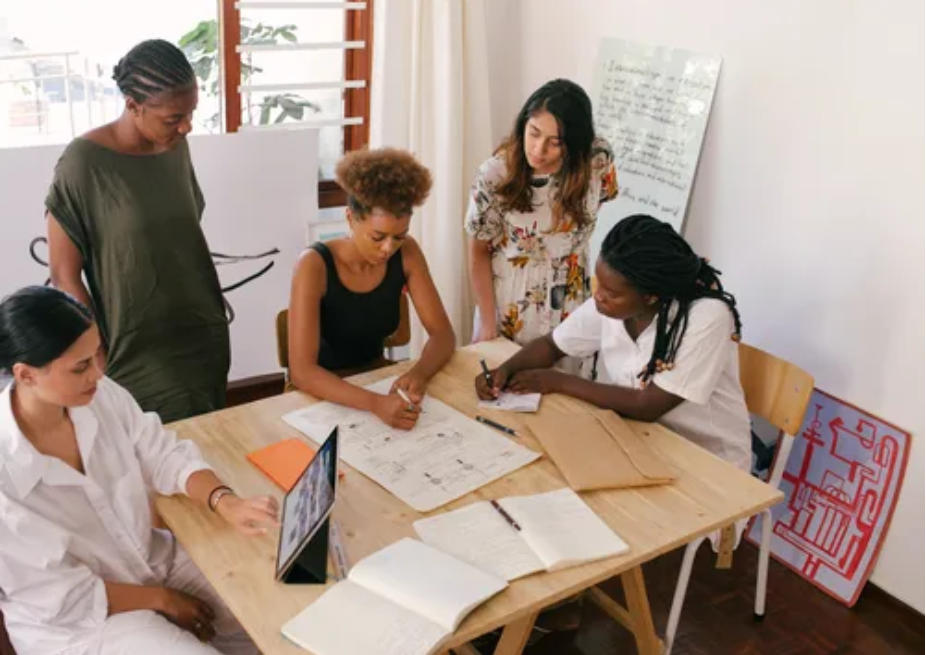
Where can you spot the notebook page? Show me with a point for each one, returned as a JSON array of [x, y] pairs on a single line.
[[351, 620], [479, 535], [561, 529], [513, 402], [426, 581]]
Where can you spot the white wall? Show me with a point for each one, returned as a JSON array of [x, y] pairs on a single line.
[[809, 194]]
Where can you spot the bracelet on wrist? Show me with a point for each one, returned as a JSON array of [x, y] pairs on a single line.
[[217, 494]]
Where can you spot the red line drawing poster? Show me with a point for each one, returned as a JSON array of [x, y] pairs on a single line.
[[841, 484]]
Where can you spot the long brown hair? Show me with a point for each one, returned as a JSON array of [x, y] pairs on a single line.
[[568, 103]]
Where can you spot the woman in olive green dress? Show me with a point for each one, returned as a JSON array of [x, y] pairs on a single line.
[[124, 213]]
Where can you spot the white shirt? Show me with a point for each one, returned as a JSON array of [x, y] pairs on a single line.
[[63, 533], [705, 373]]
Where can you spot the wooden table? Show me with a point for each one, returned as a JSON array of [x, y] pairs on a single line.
[[708, 494]]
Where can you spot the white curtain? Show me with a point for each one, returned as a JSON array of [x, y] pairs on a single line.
[[430, 95]]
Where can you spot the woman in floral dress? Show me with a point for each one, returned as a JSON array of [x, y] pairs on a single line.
[[531, 214]]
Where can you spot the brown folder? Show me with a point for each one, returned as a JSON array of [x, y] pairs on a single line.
[[595, 448]]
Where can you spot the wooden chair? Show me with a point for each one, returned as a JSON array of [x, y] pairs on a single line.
[[779, 392], [401, 337]]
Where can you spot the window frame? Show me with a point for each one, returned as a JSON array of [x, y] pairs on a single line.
[[358, 65]]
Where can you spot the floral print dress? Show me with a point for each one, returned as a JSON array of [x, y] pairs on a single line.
[[539, 268]]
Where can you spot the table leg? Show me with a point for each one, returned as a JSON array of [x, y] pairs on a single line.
[[638, 607], [514, 636]]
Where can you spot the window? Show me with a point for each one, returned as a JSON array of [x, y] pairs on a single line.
[[57, 59], [291, 64], [262, 64]]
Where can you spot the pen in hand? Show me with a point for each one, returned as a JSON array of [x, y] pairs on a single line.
[[487, 375], [411, 405]]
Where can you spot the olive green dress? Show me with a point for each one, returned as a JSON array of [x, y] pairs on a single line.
[[154, 287]]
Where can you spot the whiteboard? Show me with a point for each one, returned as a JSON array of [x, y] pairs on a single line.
[[652, 103], [261, 191]]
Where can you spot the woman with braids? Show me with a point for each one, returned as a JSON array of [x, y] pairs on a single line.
[[666, 335], [346, 293], [532, 211], [124, 210], [82, 569]]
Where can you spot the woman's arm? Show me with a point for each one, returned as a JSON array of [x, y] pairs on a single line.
[[529, 371], [441, 339], [480, 270], [308, 288], [182, 609], [65, 263], [52, 589], [541, 353], [647, 404], [250, 516]]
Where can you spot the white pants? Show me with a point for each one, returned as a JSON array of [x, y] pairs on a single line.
[[148, 633]]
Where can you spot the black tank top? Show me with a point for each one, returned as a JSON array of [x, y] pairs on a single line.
[[354, 325]]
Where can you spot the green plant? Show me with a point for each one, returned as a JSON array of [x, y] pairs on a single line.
[[201, 46]]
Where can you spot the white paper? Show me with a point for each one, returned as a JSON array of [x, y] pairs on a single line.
[[479, 535], [561, 529], [513, 402], [351, 620], [444, 457], [652, 103], [427, 581]]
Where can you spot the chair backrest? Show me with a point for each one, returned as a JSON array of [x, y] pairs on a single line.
[[776, 390], [283, 338], [401, 337]]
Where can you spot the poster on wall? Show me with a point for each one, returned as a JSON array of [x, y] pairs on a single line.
[[841, 483], [261, 193], [652, 103]]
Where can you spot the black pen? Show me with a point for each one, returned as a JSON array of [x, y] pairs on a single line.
[[506, 516], [486, 374], [497, 426]]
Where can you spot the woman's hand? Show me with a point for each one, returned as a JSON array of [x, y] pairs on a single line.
[[487, 391], [396, 412], [249, 516], [188, 612], [412, 385], [538, 380]]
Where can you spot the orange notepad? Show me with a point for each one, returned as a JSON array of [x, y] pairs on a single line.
[[284, 461]]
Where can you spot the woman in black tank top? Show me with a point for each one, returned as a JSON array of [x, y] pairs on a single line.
[[346, 292]]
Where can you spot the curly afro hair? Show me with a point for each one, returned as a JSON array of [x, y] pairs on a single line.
[[385, 178]]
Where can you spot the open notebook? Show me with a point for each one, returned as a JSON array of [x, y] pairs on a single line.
[[513, 402], [402, 600], [555, 530]]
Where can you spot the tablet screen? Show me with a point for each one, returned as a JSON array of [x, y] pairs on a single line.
[[309, 502]]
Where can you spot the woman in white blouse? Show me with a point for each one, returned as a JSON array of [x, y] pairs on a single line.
[[81, 568], [666, 335]]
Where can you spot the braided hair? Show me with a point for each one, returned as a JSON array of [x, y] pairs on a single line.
[[152, 68], [657, 261]]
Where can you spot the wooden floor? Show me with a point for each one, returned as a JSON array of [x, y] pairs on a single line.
[[718, 616]]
